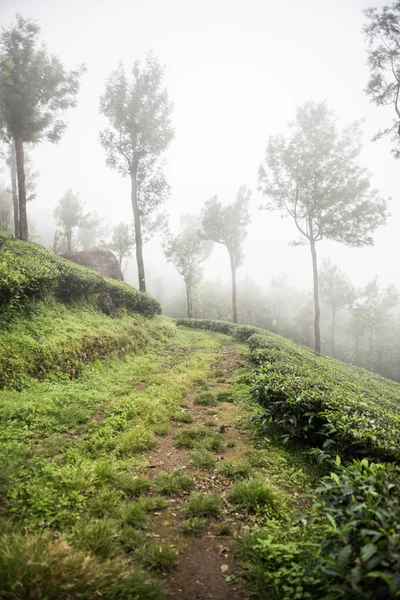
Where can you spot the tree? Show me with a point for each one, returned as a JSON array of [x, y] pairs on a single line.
[[337, 291], [5, 210], [123, 238], [187, 251], [383, 34], [34, 91], [30, 180], [139, 115], [91, 231], [371, 309], [312, 175], [68, 215], [227, 225], [122, 241]]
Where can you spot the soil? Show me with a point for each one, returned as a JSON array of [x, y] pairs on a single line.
[[205, 568]]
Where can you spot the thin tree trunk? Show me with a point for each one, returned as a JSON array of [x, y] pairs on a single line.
[[233, 273], [370, 350], [23, 218], [317, 310], [138, 232], [189, 299], [333, 324], [69, 241], [14, 191]]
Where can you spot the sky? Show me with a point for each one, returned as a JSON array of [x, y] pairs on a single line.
[[235, 71]]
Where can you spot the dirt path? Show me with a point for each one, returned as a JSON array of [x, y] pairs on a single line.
[[205, 569]]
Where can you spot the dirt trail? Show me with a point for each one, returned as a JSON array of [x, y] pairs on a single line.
[[205, 569]]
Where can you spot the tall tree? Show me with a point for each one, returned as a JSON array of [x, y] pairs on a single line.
[[227, 225], [337, 291], [34, 91], [30, 180], [187, 251], [312, 175], [139, 115], [383, 34], [68, 215]]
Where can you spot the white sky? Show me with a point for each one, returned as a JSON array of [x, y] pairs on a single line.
[[236, 70]]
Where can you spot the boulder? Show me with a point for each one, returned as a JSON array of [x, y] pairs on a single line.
[[102, 261]]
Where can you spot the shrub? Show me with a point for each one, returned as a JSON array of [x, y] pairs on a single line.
[[28, 271], [360, 553]]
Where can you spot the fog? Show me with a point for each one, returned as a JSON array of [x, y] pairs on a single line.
[[235, 72]]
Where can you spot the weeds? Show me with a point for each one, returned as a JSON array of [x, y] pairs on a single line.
[[174, 483], [203, 505], [252, 495]]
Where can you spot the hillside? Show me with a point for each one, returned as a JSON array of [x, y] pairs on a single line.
[[145, 458]]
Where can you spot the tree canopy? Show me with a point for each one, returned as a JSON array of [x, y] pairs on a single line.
[[312, 175]]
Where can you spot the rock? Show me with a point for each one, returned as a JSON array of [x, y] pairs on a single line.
[[107, 305], [102, 261]]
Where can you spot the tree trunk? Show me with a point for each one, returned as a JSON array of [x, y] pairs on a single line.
[[317, 310], [333, 324], [23, 218], [14, 191], [138, 232], [69, 240], [233, 273], [189, 299], [371, 333]]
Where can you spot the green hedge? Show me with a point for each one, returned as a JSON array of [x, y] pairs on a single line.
[[336, 407], [28, 271]]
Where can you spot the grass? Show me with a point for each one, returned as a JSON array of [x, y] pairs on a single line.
[[223, 529], [35, 566], [193, 524], [252, 494], [183, 417], [156, 557], [203, 459], [225, 396], [203, 505], [173, 483], [132, 486], [235, 471], [205, 399]]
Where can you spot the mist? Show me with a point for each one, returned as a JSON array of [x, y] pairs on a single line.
[[235, 74]]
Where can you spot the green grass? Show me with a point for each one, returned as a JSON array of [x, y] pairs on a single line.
[[73, 453], [203, 505], [173, 483], [223, 529], [35, 566], [156, 557], [205, 399], [183, 417], [193, 525], [234, 471], [203, 459], [252, 495]]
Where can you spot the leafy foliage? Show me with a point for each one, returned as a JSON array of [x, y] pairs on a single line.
[[322, 402], [383, 86], [27, 271]]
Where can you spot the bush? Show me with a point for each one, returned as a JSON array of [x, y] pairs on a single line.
[[28, 271], [322, 402], [360, 554]]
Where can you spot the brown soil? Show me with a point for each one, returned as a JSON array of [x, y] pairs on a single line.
[[205, 568]]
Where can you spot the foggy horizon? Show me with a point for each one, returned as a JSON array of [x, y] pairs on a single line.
[[235, 74]]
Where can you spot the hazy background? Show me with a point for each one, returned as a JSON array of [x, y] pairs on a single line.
[[236, 71]]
